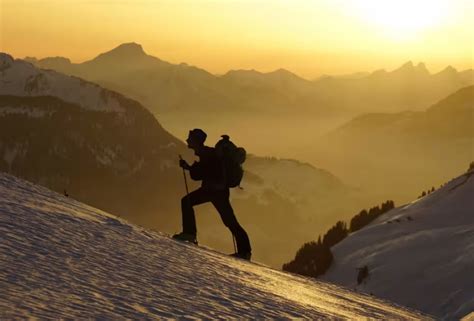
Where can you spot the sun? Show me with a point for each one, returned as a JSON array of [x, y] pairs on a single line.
[[401, 18]]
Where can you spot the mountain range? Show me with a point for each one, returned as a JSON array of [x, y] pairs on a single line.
[[182, 95], [402, 153], [163, 86], [99, 147]]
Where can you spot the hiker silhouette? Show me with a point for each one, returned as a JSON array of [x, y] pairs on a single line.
[[209, 170]]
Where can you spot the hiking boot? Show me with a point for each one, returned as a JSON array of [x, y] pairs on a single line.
[[185, 237], [243, 256]]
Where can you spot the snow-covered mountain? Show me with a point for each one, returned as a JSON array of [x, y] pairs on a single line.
[[20, 78], [69, 134], [420, 255], [64, 259]]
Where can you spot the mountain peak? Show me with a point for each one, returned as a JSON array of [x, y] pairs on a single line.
[[243, 73], [125, 50], [283, 73], [421, 67], [449, 70], [407, 66], [130, 47]]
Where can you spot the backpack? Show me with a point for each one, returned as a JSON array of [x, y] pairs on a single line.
[[232, 158]]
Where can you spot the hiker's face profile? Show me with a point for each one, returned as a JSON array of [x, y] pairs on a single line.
[[192, 142]]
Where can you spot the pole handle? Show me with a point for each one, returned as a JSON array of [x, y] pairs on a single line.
[[184, 175]]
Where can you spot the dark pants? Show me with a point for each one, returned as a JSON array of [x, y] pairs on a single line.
[[220, 200]]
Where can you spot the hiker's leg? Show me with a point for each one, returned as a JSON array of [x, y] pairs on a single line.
[[196, 197], [222, 204]]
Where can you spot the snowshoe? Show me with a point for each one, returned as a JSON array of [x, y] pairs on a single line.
[[243, 256], [185, 237]]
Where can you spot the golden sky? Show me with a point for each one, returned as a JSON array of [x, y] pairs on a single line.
[[309, 37]]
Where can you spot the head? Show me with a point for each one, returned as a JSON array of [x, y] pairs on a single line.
[[196, 138]]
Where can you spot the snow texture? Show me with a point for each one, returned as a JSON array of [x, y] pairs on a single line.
[[21, 78], [419, 255], [62, 259]]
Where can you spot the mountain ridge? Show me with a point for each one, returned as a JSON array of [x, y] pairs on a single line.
[[374, 144], [423, 246], [183, 95], [133, 50]]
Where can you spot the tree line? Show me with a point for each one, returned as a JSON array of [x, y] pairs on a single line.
[[315, 258]]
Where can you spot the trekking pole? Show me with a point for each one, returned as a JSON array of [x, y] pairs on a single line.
[[185, 179], [235, 247]]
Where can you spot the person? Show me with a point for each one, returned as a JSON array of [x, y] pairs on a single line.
[[209, 170]]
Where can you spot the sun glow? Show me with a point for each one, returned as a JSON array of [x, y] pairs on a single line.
[[402, 18], [309, 37]]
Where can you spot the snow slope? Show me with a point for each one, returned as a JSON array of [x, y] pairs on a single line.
[[63, 259], [420, 255]]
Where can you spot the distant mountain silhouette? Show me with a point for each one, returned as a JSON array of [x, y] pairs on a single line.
[[163, 86], [403, 151], [183, 95], [125, 50], [409, 69], [450, 117], [157, 84]]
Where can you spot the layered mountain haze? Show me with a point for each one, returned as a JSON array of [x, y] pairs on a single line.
[[102, 148], [157, 84], [372, 149], [184, 96]]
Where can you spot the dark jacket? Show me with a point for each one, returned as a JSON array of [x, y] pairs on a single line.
[[209, 169]]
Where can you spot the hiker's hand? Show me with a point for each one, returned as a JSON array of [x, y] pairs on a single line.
[[183, 164]]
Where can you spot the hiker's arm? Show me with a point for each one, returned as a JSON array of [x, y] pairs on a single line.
[[196, 171], [183, 164]]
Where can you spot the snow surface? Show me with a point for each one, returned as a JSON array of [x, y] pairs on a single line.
[[419, 255], [62, 259], [21, 78]]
